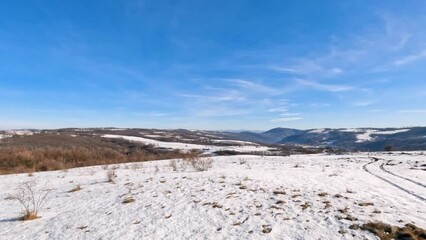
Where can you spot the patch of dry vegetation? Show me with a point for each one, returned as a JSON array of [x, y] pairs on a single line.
[[200, 164], [31, 199], [128, 199], [111, 176], [59, 151], [75, 189], [387, 232]]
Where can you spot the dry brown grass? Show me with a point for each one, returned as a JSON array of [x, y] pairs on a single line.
[[322, 194], [28, 216], [75, 189], [338, 195], [266, 228], [387, 232], [365, 204], [305, 205], [128, 199], [327, 204], [279, 192]]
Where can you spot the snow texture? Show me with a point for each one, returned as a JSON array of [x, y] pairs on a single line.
[[240, 197], [189, 146], [366, 136]]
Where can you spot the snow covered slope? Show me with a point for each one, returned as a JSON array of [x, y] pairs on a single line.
[[187, 146], [241, 197]]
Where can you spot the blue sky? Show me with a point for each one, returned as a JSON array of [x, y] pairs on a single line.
[[212, 64]]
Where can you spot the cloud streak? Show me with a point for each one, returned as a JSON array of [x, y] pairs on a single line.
[[250, 85], [324, 87], [415, 111], [411, 58], [288, 119]]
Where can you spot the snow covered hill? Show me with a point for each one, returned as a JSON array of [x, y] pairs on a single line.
[[240, 197]]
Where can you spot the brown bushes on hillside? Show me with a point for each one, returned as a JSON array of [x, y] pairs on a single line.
[[56, 152]]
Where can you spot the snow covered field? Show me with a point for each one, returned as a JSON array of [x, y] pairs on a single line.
[[240, 197], [252, 147]]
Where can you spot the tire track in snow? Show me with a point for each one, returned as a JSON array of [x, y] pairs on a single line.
[[364, 167], [396, 175]]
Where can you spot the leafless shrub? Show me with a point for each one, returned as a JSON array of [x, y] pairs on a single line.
[[111, 176], [349, 190], [201, 164], [173, 164], [183, 165], [136, 166], [242, 161], [31, 199]]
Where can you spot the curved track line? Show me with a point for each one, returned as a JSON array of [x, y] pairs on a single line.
[[396, 175], [364, 167]]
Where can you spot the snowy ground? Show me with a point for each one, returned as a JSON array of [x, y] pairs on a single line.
[[187, 146], [241, 197]]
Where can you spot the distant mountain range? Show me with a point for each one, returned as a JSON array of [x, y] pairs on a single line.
[[364, 139]]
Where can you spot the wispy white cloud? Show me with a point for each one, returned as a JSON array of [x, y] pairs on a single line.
[[157, 114], [336, 70], [376, 110], [319, 105], [150, 114], [288, 119], [221, 112], [280, 109], [411, 58], [290, 114], [229, 96], [413, 111], [325, 87], [363, 103], [283, 69], [252, 86]]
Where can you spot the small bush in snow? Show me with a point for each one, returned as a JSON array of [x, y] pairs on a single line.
[[242, 161], [183, 164], [136, 166], [173, 165], [31, 199], [75, 189], [201, 164], [111, 176]]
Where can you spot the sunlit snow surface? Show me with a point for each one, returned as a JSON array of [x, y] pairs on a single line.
[[232, 200], [188, 146], [367, 135]]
